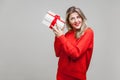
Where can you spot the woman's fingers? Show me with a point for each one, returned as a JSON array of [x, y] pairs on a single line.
[[63, 28], [57, 27], [57, 30]]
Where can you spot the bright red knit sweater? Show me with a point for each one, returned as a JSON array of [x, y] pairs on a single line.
[[74, 54]]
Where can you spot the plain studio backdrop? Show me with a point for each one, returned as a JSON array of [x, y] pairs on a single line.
[[26, 45]]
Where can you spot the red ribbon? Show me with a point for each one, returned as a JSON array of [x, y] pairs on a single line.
[[54, 20]]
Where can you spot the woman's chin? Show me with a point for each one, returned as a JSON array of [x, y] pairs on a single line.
[[78, 27]]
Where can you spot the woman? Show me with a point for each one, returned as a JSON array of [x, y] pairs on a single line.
[[74, 48]]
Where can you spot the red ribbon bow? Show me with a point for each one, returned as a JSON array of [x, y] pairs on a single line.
[[54, 20]]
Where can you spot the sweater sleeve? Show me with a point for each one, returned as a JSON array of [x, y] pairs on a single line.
[[77, 50], [57, 47]]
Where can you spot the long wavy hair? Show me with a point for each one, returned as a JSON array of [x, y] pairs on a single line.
[[71, 10]]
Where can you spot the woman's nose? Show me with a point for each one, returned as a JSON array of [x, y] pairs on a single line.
[[76, 19]]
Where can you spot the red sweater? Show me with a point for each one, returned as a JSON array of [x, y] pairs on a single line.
[[74, 54]]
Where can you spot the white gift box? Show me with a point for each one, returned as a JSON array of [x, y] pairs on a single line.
[[51, 19]]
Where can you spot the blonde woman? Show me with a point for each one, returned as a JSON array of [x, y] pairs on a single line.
[[74, 48]]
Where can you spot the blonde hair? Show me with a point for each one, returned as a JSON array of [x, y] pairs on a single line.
[[83, 26]]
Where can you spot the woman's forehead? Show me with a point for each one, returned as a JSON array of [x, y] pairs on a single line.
[[74, 14]]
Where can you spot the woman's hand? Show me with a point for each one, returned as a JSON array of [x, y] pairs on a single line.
[[58, 31]]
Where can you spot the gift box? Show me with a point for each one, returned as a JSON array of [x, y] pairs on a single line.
[[51, 19]]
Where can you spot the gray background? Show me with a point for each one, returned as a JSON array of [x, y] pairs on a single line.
[[26, 45]]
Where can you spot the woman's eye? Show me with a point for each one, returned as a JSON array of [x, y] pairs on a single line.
[[78, 16], [72, 18]]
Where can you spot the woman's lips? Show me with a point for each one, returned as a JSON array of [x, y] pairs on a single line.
[[76, 23]]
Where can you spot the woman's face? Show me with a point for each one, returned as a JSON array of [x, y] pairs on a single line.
[[75, 20]]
